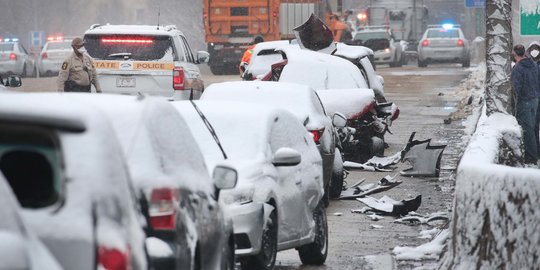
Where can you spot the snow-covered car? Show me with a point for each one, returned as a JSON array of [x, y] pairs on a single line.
[[263, 57], [52, 55], [305, 104], [14, 59], [132, 59], [278, 202], [19, 247], [360, 56], [67, 170], [167, 166], [381, 40], [443, 43]]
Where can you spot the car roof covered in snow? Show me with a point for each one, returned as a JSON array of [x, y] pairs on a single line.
[[133, 29], [299, 99], [320, 70], [352, 52], [269, 45]]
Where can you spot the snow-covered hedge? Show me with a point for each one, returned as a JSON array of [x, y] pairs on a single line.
[[496, 218]]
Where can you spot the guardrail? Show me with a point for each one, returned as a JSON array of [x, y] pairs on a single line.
[[496, 216]]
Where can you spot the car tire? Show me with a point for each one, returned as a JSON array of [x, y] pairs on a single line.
[[266, 259], [336, 184], [23, 74], [422, 63], [377, 146], [216, 70], [466, 63], [315, 253]]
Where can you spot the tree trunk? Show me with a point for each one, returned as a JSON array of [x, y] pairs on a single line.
[[498, 56]]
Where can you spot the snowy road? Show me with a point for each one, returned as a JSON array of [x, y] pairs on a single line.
[[426, 98]]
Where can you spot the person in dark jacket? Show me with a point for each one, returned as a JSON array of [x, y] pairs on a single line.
[[534, 52], [526, 85]]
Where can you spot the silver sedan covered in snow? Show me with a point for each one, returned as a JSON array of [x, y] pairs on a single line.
[[276, 204]]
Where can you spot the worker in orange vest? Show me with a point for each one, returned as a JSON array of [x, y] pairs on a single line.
[[339, 29], [246, 58]]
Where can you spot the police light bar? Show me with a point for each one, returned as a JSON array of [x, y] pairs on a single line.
[[447, 26], [11, 39]]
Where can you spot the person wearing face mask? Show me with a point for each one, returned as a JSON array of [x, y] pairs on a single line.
[[78, 71], [534, 52]]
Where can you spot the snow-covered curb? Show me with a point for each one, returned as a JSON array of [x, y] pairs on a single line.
[[496, 220]]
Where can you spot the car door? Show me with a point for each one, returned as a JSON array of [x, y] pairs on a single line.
[[192, 71], [292, 213]]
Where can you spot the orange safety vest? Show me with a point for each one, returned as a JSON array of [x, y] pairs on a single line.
[[247, 55]]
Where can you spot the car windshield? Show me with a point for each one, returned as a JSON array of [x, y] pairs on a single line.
[[6, 47], [136, 47], [59, 45], [363, 36], [443, 33]]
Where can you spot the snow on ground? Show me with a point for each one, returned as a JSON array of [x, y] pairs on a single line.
[[430, 250]]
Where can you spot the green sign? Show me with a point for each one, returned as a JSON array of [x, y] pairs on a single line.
[[529, 18]]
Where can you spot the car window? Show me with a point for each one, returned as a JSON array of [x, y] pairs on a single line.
[[59, 45], [138, 47], [318, 104], [4, 47], [189, 54], [443, 33], [363, 36], [30, 160]]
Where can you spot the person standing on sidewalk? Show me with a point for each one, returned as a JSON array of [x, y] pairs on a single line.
[[534, 52], [78, 72], [526, 86]]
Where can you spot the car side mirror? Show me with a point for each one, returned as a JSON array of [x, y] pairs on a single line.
[[225, 177], [381, 79], [285, 157], [339, 120], [203, 57]]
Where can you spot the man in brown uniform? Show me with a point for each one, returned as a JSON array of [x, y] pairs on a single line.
[[78, 71]]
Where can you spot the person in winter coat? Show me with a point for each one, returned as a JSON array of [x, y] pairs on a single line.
[[534, 52], [526, 86]]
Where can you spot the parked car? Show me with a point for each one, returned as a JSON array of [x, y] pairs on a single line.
[[14, 59], [166, 164], [52, 55], [19, 247], [67, 170], [443, 43], [132, 59], [263, 57], [305, 104], [278, 202], [381, 40]]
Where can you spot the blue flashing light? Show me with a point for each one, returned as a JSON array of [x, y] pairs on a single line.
[[447, 26], [6, 39]]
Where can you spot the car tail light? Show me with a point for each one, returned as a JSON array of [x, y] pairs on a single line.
[[178, 78], [425, 43], [317, 134], [112, 259], [44, 55], [12, 56], [162, 208], [460, 42]]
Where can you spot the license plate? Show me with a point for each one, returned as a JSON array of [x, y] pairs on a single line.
[[125, 82]]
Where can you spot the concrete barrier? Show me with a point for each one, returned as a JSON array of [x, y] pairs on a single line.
[[496, 216]]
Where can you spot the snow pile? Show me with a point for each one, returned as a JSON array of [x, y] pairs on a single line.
[[496, 215], [430, 250]]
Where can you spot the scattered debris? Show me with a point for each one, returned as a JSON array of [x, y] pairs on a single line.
[[373, 226], [424, 158], [338, 214], [362, 210], [357, 191], [375, 163], [447, 121], [430, 250], [429, 234], [417, 219], [375, 217], [390, 206]]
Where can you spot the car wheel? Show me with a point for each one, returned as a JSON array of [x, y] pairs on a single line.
[[336, 184], [266, 258], [24, 71], [377, 146], [316, 252], [422, 63], [216, 70], [466, 63]]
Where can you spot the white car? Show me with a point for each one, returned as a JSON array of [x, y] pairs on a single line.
[[77, 195], [133, 59], [168, 168], [305, 104], [263, 57], [277, 203], [381, 40], [443, 43], [52, 56], [19, 247], [14, 59]]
